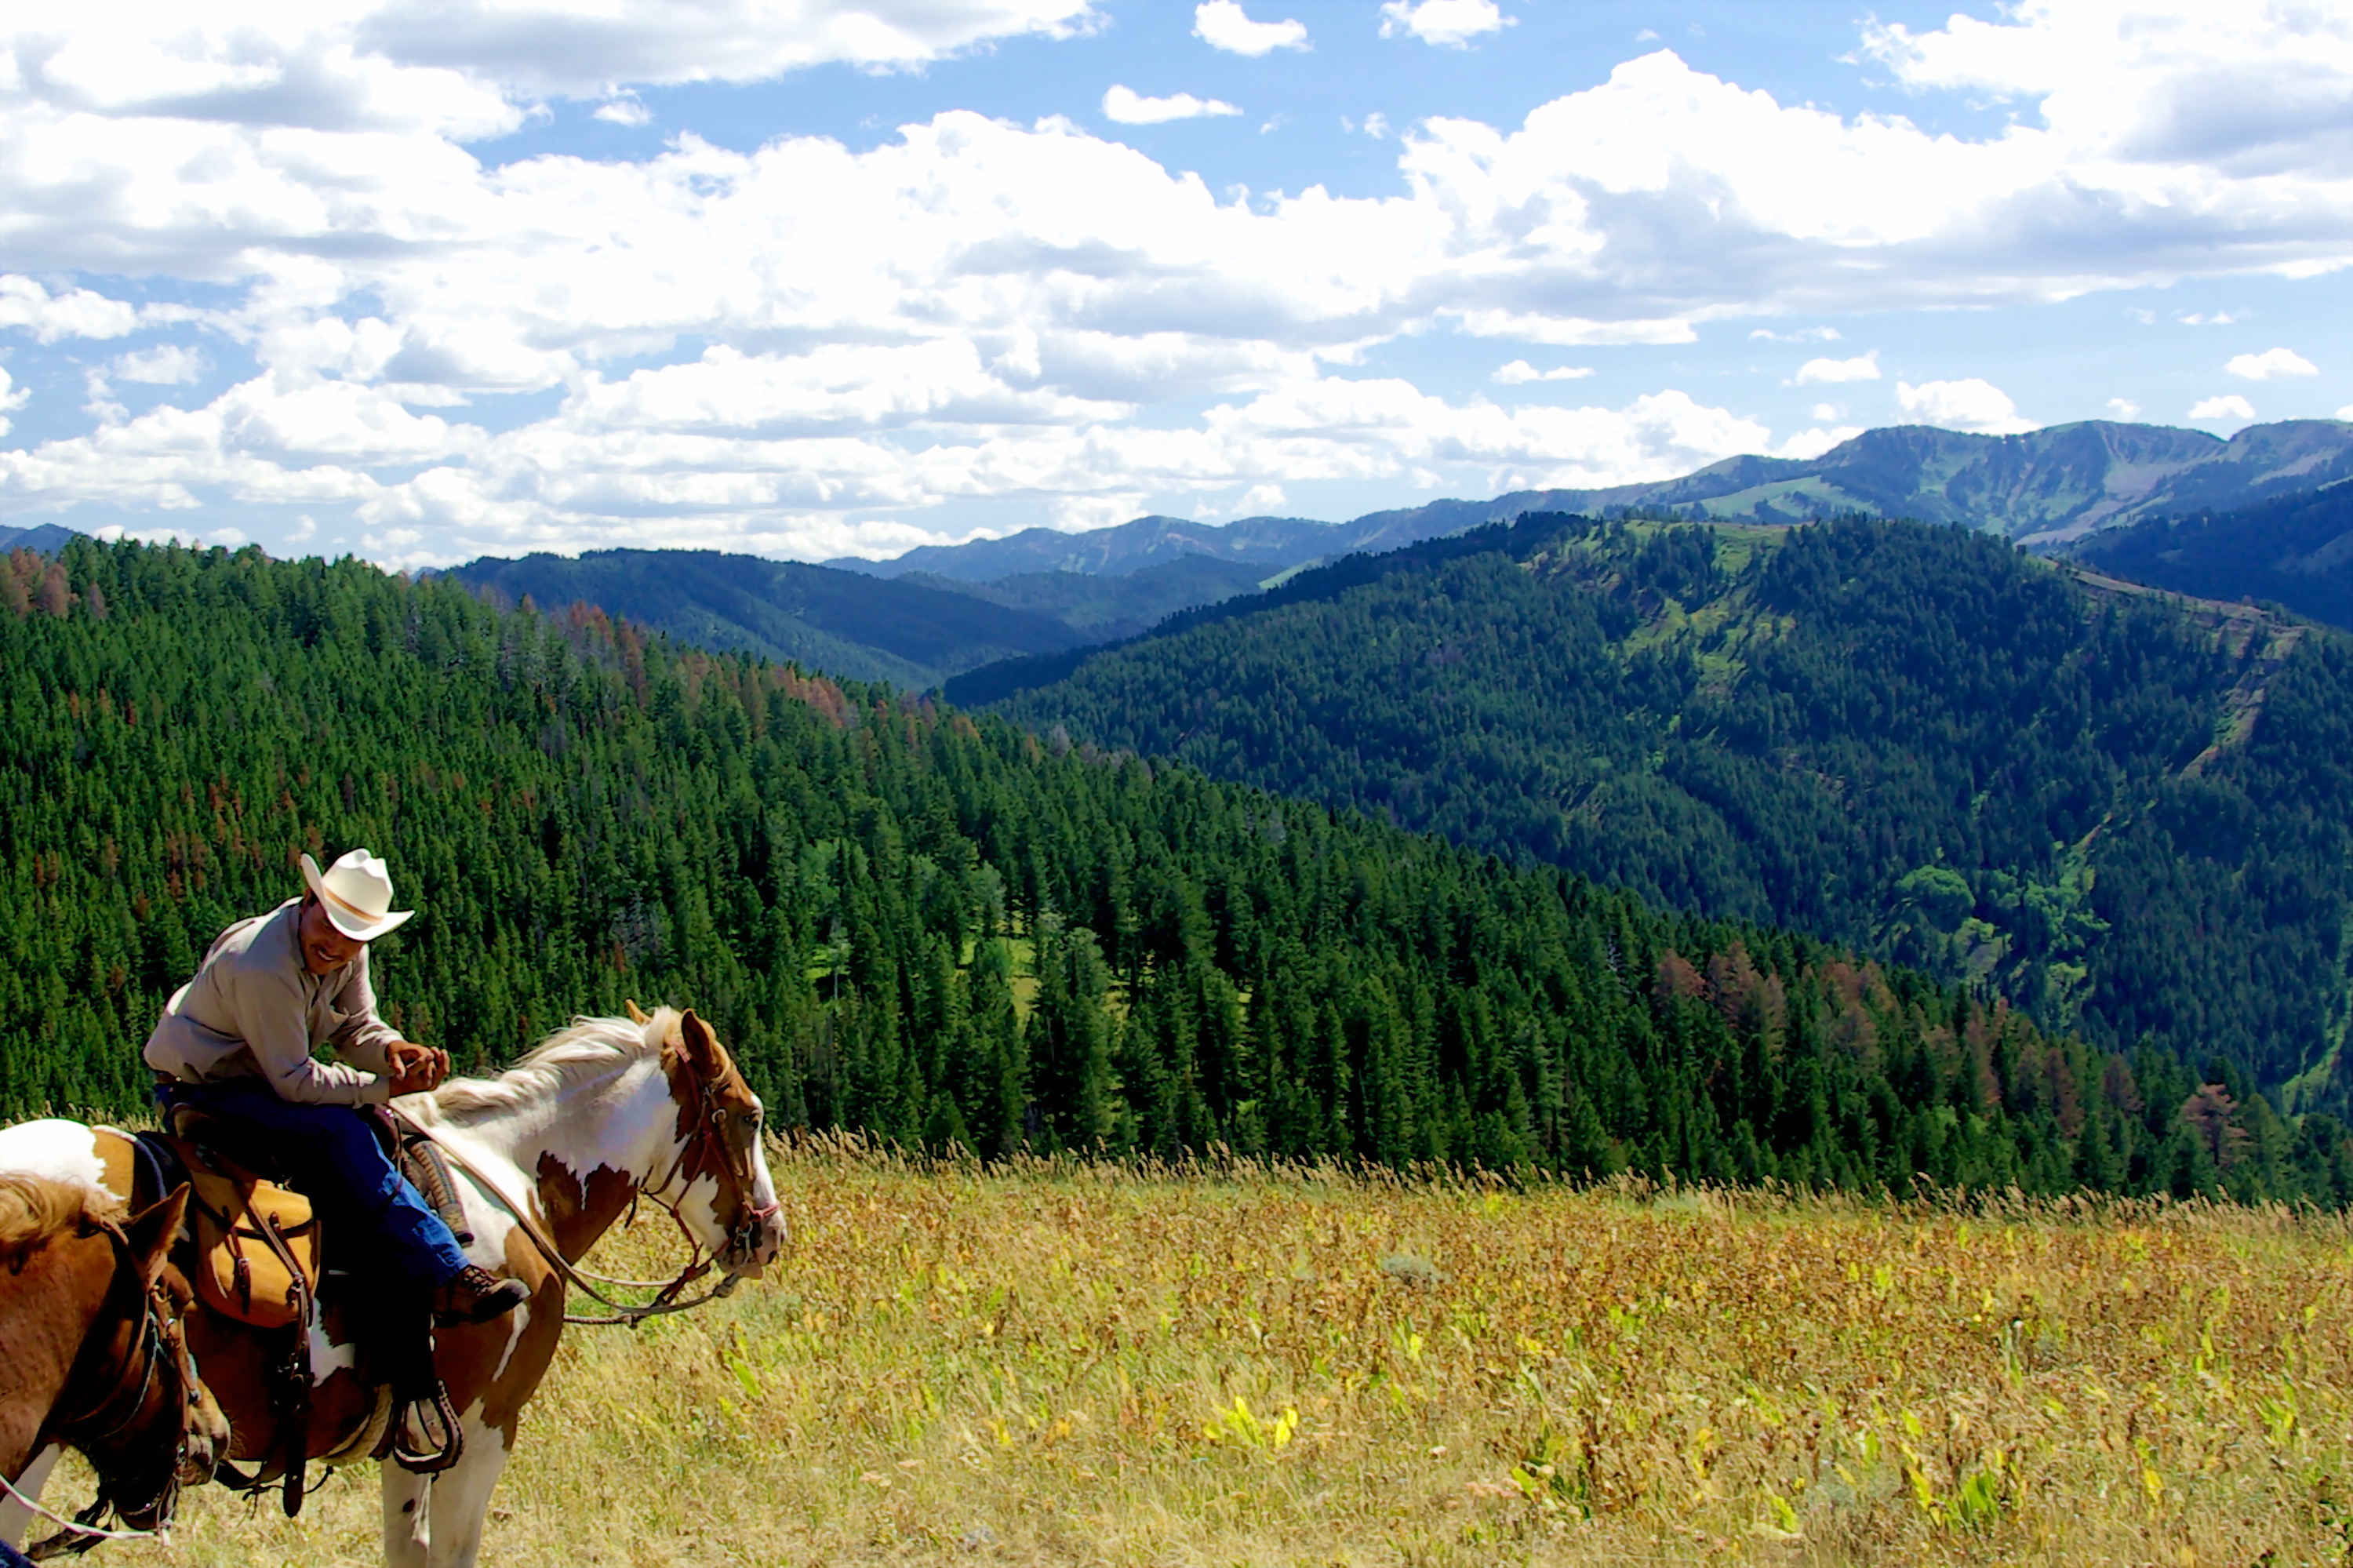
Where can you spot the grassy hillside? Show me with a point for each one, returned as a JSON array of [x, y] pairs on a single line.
[[2297, 551], [1090, 1366], [2130, 816], [946, 934]]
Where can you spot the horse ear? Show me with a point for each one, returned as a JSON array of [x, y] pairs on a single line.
[[153, 1231], [701, 1044], [636, 1014]]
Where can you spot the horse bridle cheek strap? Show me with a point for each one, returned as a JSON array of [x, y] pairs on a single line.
[[705, 1149]]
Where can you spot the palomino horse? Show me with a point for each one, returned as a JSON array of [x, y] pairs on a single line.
[[90, 1312], [595, 1117]]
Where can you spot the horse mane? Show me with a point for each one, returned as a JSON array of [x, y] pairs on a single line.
[[34, 1210], [585, 1049]]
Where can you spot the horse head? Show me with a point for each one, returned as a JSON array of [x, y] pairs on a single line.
[[160, 1429], [718, 1185]]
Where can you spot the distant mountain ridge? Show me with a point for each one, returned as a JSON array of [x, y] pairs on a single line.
[[44, 539], [2042, 489], [1037, 597], [906, 634], [1270, 542]]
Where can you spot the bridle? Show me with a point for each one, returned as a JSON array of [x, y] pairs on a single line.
[[159, 1348], [705, 1149]]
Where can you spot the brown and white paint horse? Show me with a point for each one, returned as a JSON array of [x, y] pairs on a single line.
[[595, 1117], [92, 1313]]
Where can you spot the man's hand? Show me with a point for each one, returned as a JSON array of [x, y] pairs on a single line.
[[416, 1068]]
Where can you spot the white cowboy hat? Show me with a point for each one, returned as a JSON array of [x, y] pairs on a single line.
[[356, 893]]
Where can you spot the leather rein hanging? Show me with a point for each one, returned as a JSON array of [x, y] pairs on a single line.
[[668, 1298]]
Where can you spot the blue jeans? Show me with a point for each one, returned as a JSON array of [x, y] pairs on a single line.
[[369, 1209]]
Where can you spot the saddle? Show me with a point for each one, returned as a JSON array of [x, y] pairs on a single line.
[[257, 1241], [258, 1246]]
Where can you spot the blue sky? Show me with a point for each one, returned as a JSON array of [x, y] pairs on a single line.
[[424, 282]]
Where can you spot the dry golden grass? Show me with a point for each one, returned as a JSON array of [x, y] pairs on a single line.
[[1094, 1365]]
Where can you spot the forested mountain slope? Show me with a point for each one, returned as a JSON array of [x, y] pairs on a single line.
[[2129, 816], [2295, 551], [860, 626], [942, 931], [1103, 608]]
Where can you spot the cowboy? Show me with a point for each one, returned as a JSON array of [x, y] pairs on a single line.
[[236, 1042]]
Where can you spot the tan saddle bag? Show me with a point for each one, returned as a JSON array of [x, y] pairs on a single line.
[[256, 1242]]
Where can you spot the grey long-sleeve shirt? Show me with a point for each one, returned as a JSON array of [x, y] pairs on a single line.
[[253, 1011]]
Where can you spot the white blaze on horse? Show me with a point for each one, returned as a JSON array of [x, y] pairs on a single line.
[[597, 1116]]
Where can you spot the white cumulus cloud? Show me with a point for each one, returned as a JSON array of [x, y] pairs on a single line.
[[624, 109], [2271, 362], [1452, 23], [1129, 106], [1813, 444], [1862, 367], [804, 346], [1969, 404], [1804, 334], [1519, 372], [75, 313], [2237, 88], [10, 401], [1224, 25], [167, 365], [2227, 406]]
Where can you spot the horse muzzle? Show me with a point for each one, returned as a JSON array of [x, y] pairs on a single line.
[[207, 1437], [755, 1244]]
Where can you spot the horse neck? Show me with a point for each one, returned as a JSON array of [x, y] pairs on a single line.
[[588, 1153]]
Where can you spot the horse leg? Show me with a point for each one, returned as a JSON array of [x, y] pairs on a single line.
[[408, 1517], [14, 1516], [461, 1494]]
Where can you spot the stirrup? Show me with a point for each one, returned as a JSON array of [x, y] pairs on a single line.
[[439, 1443]]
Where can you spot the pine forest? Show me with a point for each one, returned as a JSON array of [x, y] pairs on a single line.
[[936, 928]]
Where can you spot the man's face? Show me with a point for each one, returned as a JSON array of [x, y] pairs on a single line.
[[324, 948]]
